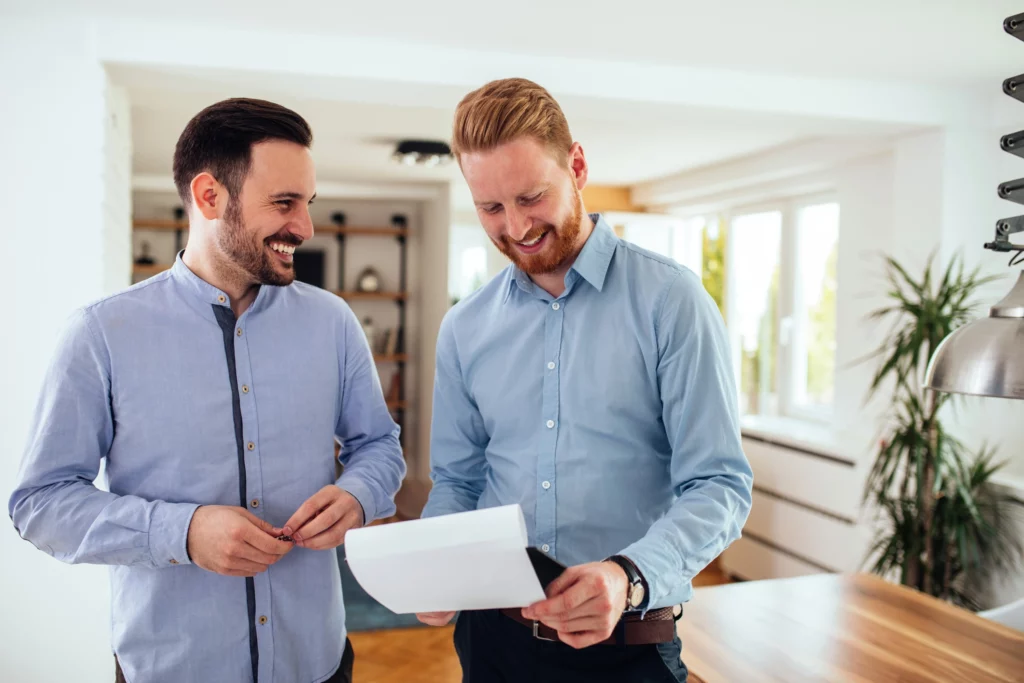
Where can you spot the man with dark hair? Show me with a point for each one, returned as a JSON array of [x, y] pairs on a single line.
[[214, 391]]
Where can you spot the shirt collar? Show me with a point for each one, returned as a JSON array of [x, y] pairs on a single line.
[[591, 264], [202, 292]]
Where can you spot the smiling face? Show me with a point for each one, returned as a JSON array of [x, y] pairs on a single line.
[[528, 202], [270, 217]]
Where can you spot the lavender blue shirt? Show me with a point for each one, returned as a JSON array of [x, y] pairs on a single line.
[[187, 406]]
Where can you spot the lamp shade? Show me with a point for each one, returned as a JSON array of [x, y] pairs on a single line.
[[985, 357]]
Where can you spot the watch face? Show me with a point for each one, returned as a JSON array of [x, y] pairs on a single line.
[[636, 595]]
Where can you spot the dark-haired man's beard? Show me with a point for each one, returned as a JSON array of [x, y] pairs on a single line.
[[253, 257], [561, 246]]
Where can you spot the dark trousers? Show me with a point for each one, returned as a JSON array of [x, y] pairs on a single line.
[[493, 648], [343, 674]]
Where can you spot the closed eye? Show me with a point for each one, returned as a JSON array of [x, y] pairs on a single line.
[[493, 209], [531, 200]]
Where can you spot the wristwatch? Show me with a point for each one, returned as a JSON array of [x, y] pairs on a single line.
[[636, 593]]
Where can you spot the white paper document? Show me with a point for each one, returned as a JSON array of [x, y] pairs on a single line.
[[465, 561]]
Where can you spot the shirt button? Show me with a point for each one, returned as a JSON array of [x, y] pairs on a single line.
[[239, 332], [546, 485], [556, 305], [263, 620], [545, 547], [245, 388], [251, 446], [551, 365], [221, 298], [551, 424], [255, 502]]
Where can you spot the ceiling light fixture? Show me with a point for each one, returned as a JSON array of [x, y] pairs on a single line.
[[422, 152]]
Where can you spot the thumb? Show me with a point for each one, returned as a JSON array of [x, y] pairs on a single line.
[[563, 582], [263, 525]]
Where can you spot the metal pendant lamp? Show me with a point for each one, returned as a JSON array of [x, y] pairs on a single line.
[[986, 357]]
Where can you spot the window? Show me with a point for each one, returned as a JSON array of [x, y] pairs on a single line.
[[814, 311], [467, 261], [753, 310], [772, 270], [665, 235]]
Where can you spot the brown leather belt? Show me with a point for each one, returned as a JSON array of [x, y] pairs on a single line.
[[657, 626]]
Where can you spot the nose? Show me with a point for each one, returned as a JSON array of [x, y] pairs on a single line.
[[303, 226], [519, 224]]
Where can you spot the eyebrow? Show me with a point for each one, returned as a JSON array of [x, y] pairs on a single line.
[[290, 195]]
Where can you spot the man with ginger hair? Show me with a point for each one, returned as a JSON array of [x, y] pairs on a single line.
[[590, 382]]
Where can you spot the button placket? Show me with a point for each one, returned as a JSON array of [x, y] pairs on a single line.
[[550, 408]]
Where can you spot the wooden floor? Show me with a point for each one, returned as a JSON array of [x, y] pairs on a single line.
[[426, 655]]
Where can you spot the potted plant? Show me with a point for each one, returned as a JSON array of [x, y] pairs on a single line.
[[943, 527]]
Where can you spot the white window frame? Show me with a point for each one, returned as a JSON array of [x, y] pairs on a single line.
[[788, 349]]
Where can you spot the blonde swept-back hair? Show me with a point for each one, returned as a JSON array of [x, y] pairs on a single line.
[[505, 110]]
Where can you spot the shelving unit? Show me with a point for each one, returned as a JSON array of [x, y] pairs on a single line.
[[398, 230]]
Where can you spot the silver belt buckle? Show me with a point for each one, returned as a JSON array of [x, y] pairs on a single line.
[[536, 632]]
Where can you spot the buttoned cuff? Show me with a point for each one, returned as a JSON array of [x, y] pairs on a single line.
[[168, 533], [361, 492]]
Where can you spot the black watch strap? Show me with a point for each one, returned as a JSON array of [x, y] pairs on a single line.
[[636, 581]]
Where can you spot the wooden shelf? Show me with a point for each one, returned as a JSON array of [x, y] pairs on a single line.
[[379, 296], [391, 358], [354, 230], [150, 269], [158, 224]]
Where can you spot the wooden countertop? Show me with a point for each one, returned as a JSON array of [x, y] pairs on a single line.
[[832, 627]]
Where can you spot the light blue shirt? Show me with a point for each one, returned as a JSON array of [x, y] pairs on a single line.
[[189, 406], [609, 414]]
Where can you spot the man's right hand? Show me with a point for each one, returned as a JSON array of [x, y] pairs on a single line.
[[232, 541], [435, 618]]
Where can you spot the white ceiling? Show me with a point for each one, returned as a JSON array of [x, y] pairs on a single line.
[[944, 42], [937, 41], [354, 140]]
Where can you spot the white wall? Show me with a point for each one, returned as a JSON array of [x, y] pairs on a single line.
[[66, 211]]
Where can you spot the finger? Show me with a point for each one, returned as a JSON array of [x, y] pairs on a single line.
[[436, 618], [265, 543], [581, 640], [597, 623], [441, 618], [261, 524], [333, 536], [323, 521], [310, 508], [562, 582], [565, 603]]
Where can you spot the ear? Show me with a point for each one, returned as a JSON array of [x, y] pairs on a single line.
[[207, 193], [578, 165]]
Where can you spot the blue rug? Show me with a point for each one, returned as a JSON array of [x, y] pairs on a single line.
[[362, 612]]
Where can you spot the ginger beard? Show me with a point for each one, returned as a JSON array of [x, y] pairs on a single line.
[[255, 258], [557, 246]]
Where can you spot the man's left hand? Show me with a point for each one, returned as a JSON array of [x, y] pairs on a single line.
[[322, 521], [584, 604]]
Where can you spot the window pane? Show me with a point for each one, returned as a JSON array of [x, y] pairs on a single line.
[[756, 240], [467, 261], [815, 311], [713, 260]]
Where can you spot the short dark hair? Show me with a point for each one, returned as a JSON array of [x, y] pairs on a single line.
[[219, 140]]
